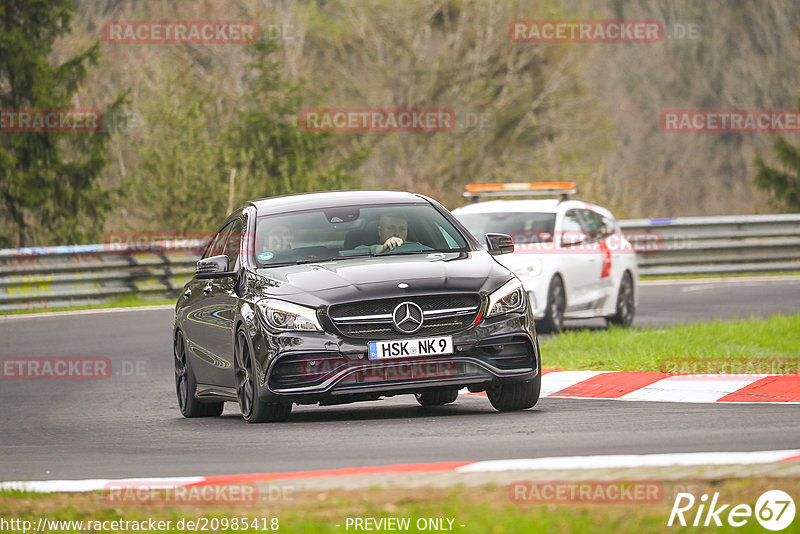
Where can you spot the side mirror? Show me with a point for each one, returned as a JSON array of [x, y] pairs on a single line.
[[499, 244], [213, 267]]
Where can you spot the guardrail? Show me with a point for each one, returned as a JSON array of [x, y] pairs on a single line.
[[49, 277], [716, 245]]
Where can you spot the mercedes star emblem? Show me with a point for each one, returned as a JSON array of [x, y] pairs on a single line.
[[407, 317]]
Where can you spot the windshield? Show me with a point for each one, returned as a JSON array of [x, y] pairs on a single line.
[[522, 227], [351, 231]]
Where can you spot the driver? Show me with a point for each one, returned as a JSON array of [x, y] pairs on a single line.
[[392, 232]]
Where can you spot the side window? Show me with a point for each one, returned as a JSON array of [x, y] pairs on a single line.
[[451, 243], [572, 230], [219, 242], [213, 247], [233, 243], [571, 222], [594, 224]]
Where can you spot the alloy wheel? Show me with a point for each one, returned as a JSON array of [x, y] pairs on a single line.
[[181, 372], [245, 389]]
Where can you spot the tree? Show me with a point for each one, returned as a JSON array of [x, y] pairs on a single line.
[[274, 155], [49, 181], [181, 177], [179, 184], [783, 185]]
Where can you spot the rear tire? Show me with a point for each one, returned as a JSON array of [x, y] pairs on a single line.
[[626, 307], [437, 398], [186, 385], [553, 321], [254, 409]]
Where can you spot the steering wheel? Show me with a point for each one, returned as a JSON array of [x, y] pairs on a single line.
[[408, 246]]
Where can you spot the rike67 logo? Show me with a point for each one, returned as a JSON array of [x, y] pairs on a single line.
[[774, 510]]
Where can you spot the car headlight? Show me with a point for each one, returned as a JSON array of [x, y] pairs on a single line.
[[285, 316], [533, 268], [509, 297]]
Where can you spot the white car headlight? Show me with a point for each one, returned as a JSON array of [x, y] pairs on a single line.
[[507, 298], [286, 316], [532, 268]]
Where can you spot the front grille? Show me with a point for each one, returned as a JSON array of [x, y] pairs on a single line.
[[372, 319]]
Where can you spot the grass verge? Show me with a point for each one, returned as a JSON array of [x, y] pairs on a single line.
[[485, 509], [757, 345]]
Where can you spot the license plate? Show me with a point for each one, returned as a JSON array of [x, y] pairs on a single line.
[[409, 348]]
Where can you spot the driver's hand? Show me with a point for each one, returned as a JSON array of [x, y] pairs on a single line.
[[391, 243]]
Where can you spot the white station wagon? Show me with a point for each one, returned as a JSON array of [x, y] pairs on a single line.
[[572, 258]]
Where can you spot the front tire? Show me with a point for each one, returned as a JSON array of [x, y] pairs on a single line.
[[626, 307], [186, 385], [254, 409], [516, 395], [436, 398], [556, 304]]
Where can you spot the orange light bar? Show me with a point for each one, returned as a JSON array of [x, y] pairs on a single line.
[[521, 188]]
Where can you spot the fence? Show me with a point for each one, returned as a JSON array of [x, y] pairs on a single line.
[[48, 277]]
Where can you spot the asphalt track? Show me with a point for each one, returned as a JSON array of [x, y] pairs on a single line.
[[129, 425]]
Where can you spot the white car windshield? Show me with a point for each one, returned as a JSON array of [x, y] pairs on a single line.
[[521, 226]]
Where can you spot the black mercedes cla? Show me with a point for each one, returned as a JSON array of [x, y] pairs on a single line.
[[339, 297]]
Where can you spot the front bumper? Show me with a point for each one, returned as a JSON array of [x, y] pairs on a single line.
[[327, 369]]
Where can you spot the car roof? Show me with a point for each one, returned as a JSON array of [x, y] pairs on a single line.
[[549, 205], [332, 199]]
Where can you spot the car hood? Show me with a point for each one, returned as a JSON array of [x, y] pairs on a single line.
[[374, 277]]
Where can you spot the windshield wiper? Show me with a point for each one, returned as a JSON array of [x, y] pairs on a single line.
[[411, 252], [305, 261]]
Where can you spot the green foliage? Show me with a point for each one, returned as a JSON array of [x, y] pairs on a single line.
[[49, 181], [525, 111], [189, 147], [179, 184], [783, 185]]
